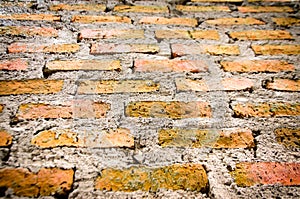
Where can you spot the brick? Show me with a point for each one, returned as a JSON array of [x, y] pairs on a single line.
[[266, 109], [1, 108], [217, 1], [173, 109], [258, 9], [205, 34], [138, 8], [42, 48], [172, 34], [195, 138], [99, 19], [4, 4], [257, 66], [191, 177], [276, 49], [110, 48], [267, 173], [235, 21], [226, 84], [69, 65], [284, 85], [31, 17], [169, 21], [182, 8], [194, 66], [48, 181], [261, 35], [114, 86], [288, 137], [6, 138], [13, 64], [28, 31], [286, 21], [271, 0], [194, 49], [78, 7], [111, 34], [67, 137], [76, 109]]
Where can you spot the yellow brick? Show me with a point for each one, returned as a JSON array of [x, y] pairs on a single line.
[[138, 8], [261, 35], [202, 8], [65, 65], [31, 17], [78, 7], [276, 49], [169, 21], [235, 21]]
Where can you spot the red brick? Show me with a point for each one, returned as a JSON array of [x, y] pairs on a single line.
[[173, 109], [284, 85], [257, 66], [31, 17], [276, 49], [99, 19], [172, 34], [138, 8], [169, 21], [258, 9], [13, 64], [235, 21], [28, 31], [42, 48], [111, 34], [261, 35], [78, 7], [6, 138], [288, 137], [268, 173], [202, 8], [286, 21], [194, 66], [111, 48]]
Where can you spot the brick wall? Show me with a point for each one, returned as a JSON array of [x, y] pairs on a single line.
[[154, 99]]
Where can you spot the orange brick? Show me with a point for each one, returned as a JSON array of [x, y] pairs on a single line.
[[268, 173], [78, 7], [31, 17], [194, 66], [67, 137], [69, 65], [138, 8], [265, 9], [33, 86], [1, 108], [114, 86], [174, 109], [288, 137], [217, 1], [235, 138], [172, 34], [235, 21], [276, 49], [169, 21], [205, 34], [266, 109], [28, 31], [182, 49], [13, 64], [257, 66], [6, 139], [191, 177], [288, 21], [182, 8], [261, 35], [111, 34], [42, 48], [111, 48], [99, 19], [5, 4], [48, 181], [284, 85], [271, 0]]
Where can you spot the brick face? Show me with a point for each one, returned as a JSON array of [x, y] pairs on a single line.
[[276, 49], [31, 17], [1, 108], [111, 34], [28, 31], [99, 19], [235, 21], [257, 9], [146, 9], [6, 139], [13, 64], [261, 35], [39, 48], [284, 85], [69, 65], [288, 21], [123, 48], [183, 34], [78, 7], [169, 21], [288, 137], [202, 8]]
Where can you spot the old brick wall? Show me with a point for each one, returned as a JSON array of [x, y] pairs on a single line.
[[150, 99]]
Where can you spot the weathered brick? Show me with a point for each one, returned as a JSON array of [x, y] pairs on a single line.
[[235, 21], [190, 177], [6, 138], [182, 8], [271, 0], [194, 49], [268, 173], [194, 66], [99, 19], [276, 49], [257, 66], [173, 109], [286, 21], [5, 4], [48, 181], [31, 17], [265, 9], [205, 34], [138, 8], [217, 1], [261, 35], [42, 48], [67, 137], [288, 137], [111, 34], [114, 86], [266, 109], [110, 48], [78, 7], [1, 108], [236, 138], [28, 31], [284, 85], [13, 64], [67, 65], [172, 34], [169, 21]]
